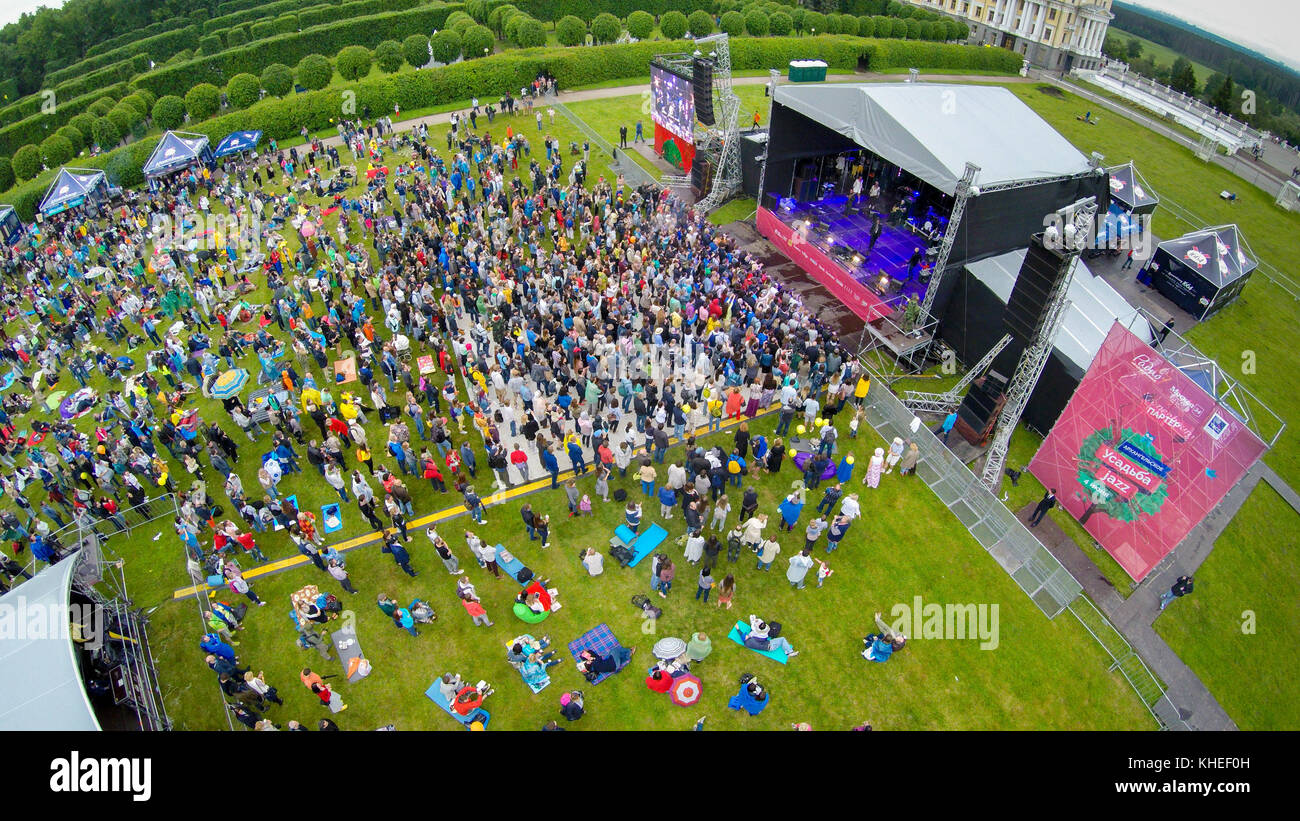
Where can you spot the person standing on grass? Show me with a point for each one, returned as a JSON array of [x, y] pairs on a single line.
[[400, 557], [666, 572], [443, 550], [544, 529], [799, 566], [726, 591], [632, 516], [489, 555], [530, 524], [704, 584], [477, 614], [341, 576], [768, 550]]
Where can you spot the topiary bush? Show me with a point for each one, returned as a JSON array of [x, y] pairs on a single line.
[[73, 136], [353, 62], [447, 46], [499, 16], [388, 56], [672, 25], [780, 24], [570, 30], [733, 23], [606, 28], [866, 26], [106, 132], [756, 23], [202, 101], [814, 22], [530, 33], [27, 162], [56, 150], [700, 22], [243, 90], [477, 41], [168, 114], [7, 177], [640, 24], [415, 50], [313, 72], [277, 79], [84, 123], [237, 36]]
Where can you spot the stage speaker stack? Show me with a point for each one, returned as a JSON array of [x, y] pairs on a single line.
[[702, 80], [1042, 270], [701, 176], [978, 412]]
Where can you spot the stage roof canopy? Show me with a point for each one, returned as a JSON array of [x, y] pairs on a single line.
[[40, 676], [1094, 305], [1128, 187], [933, 130]]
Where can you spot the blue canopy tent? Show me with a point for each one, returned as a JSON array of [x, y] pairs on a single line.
[[176, 151], [237, 142], [11, 227], [73, 187], [1117, 223]]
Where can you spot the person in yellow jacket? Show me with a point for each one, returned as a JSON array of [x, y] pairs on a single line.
[[860, 390]]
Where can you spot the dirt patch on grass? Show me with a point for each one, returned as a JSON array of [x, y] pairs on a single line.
[[1051, 91]]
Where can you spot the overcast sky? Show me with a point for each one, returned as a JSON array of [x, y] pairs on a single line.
[[1268, 26]]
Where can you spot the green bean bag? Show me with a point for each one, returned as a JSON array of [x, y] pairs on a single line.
[[526, 615]]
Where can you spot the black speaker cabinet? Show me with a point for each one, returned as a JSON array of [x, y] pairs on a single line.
[[1039, 275], [701, 176], [702, 80], [979, 409]]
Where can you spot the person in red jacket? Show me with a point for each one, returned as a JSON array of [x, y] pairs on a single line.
[[659, 681]]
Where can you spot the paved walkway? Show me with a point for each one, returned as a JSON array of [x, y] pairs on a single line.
[[1263, 176], [1135, 615], [568, 97]]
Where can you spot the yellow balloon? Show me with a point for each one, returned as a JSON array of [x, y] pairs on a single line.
[[819, 422], [849, 458], [801, 430]]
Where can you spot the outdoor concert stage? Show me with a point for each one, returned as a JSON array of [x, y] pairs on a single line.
[[911, 143], [839, 236]]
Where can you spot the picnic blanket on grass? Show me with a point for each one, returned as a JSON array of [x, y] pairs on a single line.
[[345, 641], [599, 640], [435, 695], [741, 630], [646, 543]]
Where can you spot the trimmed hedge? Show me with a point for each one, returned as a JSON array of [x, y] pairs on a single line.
[[446, 47], [32, 129], [169, 112], [506, 72], [291, 48], [353, 62], [203, 101], [243, 90], [640, 24], [259, 12], [314, 71], [571, 30], [159, 47], [388, 56], [7, 177], [415, 50], [277, 79], [672, 25]]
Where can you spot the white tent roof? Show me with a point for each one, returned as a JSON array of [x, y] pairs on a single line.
[[40, 680], [1094, 305], [933, 130]]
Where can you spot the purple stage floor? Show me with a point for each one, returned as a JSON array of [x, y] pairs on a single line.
[[853, 231]]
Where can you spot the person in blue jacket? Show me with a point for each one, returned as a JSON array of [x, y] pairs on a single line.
[[667, 501], [552, 466], [753, 697]]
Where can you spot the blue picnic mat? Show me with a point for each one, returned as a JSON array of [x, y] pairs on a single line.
[[646, 543], [326, 512], [599, 640], [512, 566], [738, 634], [435, 695]]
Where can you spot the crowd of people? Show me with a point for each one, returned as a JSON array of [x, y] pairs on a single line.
[[572, 324]]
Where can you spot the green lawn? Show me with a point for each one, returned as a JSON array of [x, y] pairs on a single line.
[[1241, 622], [1044, 674], [1163, 55]]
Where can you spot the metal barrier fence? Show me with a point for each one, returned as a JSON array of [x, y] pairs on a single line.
[[620, 161], [75, 532], [1033, 567]]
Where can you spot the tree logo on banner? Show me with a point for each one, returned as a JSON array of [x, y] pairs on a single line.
[[672, 153], [1124, 494]]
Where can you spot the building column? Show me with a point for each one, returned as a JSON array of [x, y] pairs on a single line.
[[1026, 19], [1040, 24], [1084, 35]]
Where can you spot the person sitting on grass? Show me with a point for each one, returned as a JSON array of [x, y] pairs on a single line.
[[880, 646], [760, 638], [593, 665]]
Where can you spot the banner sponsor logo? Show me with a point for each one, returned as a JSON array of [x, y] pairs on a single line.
[[1132, 452], [1116, 463]]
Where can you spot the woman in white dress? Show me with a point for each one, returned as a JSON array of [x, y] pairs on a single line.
[[874, 469]]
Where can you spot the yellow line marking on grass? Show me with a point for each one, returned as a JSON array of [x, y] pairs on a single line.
[[433, 518]]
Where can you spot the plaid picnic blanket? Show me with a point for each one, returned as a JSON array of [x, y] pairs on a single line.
[[598, 640]]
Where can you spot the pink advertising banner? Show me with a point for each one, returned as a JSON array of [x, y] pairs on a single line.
[[822, 268], [1142, 453]]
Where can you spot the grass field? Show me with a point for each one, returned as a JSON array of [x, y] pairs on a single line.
[[1043, 673], [1163, 55], [1241, 621]]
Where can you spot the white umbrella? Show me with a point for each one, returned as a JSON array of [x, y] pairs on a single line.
[[669, 648]]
